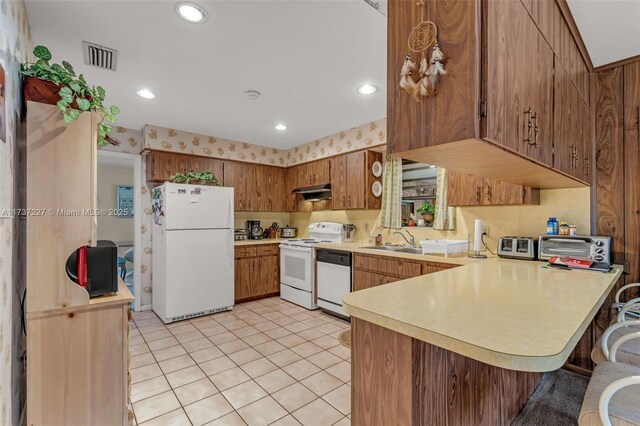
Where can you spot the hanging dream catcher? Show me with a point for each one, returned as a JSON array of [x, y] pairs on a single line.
[[422, 36]]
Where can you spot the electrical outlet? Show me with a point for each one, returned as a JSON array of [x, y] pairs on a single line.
[[485, 230]]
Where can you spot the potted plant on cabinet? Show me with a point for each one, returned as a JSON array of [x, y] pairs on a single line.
[[202, 178], [427, 211], [57, 84]]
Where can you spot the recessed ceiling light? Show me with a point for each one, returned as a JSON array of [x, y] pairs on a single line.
[[281, 126], [366, 89], [146, 93], [191, 12]]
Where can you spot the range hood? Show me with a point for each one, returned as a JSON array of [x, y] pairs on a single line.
[[314, 192]]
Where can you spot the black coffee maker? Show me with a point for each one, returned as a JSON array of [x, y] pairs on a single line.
[[254, 231]]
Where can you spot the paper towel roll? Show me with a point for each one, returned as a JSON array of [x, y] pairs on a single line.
[[477, 238]]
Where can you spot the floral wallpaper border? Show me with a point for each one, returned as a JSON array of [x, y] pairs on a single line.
[[369, 135]]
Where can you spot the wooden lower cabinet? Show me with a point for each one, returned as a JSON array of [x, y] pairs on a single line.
[[257, 272], [78, 364], [371, 270], [400, 380]]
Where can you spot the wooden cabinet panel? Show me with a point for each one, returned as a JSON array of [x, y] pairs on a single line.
[[162, 165], [268, 281], [270, 192], [339, 182], [451, 115], [365, 279], [470, 190], [351, 181], [543, 13], [257, 271], [355, 180], [387, 265], [242, 278], [237, 176], [463, 189], [572, 127]]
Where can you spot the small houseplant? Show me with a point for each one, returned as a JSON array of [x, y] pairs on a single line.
[[202, 178], [57, 84], [427, 211]]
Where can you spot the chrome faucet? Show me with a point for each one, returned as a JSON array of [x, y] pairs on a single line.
[[411, 240]]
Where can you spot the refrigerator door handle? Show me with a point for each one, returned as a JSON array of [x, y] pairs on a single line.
[[230, 211], [230, 248]]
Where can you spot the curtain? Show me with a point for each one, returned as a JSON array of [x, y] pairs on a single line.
[[445, 216], [390, 214]]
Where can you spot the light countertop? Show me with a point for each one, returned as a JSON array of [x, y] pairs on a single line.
[[513, 314], [259, 242], [458, 259]]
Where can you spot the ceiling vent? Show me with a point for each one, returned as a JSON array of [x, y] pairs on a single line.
[[99, 56]]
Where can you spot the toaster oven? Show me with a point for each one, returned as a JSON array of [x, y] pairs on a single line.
[[589, 247]]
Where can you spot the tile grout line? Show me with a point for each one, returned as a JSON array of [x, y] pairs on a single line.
[[253, 379]]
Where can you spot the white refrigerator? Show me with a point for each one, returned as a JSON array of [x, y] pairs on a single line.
[[192, 250]]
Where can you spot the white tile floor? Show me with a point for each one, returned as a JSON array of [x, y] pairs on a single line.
[[266, 362]]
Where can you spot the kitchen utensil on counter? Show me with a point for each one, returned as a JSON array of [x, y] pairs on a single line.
[[288, 232], [254, 230], [348, 233], [525, 248]]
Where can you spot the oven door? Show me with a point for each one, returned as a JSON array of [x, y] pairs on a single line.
[[296, 267]]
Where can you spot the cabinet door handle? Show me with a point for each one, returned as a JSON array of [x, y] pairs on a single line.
[[488, 193], [536, 130], [478, 193], [529, 114]]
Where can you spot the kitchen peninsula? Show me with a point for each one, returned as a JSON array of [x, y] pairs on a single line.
[[466, 345]]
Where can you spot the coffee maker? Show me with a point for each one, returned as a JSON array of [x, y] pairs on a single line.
[[254, 231]]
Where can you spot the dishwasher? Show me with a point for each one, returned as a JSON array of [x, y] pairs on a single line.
[[334, 280]]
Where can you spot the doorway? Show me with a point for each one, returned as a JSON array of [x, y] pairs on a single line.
[[119, 204]]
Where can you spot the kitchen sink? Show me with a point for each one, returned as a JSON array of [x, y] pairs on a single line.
[[398, 249], [410, 250], [384, 248]]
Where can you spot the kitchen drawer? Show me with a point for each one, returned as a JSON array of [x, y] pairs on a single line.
[[388, 265], [364, 279], [430, 267], [267, 250], [245, 251]]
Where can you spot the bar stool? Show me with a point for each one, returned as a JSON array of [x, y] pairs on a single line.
[[613, 394], [625, 323]]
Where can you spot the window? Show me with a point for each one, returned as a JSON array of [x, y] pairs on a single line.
[[418, 187]]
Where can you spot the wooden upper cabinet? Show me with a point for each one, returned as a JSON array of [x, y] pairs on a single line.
[[452, 114], [519, 83], [352, 180], [162, 165], [493, 114], [270, 189], [471, 190], [572, 128], [237, 176]]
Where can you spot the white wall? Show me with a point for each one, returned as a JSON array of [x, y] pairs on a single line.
[[112, 227]]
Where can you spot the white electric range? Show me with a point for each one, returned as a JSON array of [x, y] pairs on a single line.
[[297, 263]]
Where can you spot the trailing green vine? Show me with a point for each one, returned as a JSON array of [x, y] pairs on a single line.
[[203, 178], [74, 88]]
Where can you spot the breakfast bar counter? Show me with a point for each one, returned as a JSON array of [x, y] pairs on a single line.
[[466, 345]]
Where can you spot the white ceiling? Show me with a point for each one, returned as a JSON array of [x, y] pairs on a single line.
[[306, 57], [610, 28]]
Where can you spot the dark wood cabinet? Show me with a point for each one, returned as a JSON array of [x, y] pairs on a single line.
[[519, 83], [505, 130], [572, 128], [162, 165], [371, 270], [307, 174], [257, 272], [471, 190], [352, 180], [242, 178]]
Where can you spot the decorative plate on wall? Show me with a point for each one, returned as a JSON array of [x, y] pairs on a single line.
[[376, 169], [376, 188]]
